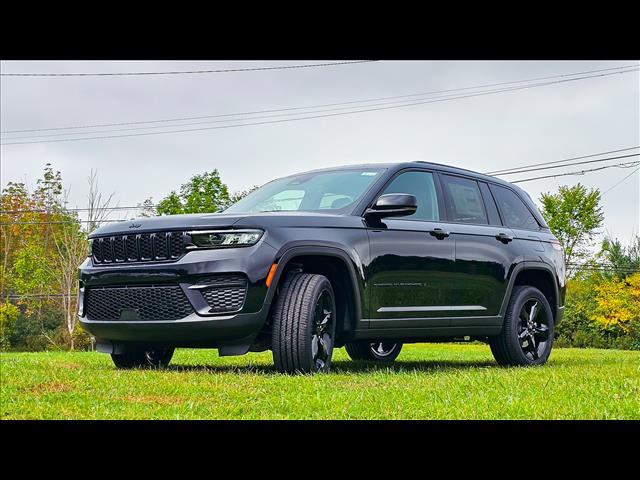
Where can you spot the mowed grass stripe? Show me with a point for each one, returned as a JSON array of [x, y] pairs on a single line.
[[428, 381]]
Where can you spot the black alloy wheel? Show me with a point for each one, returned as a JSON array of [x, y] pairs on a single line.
[[527, 333], [382, 352], [153, 358], [533, 331], [304, 324]]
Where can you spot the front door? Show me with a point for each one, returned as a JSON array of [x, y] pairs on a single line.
[[412, 259]]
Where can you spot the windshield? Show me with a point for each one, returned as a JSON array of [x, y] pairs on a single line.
[[330, 190]]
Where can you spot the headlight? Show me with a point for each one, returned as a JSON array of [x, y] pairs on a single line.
[[225, 238]]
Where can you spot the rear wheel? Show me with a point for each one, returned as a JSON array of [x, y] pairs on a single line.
[[527, 334], [383, 352], [155, 358], [304, 324]]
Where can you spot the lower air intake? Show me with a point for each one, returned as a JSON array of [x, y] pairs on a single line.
[[225, 293], [137, 303]]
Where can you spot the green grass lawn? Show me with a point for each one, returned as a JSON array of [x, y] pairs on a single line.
[[428, 381]]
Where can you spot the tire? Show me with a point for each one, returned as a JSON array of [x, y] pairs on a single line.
[[304, 324], [156, 358], [379, 352], [524, 343]]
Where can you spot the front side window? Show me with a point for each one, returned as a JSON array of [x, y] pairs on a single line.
[[464, 200], [422, 186], [330, 190], [514, 212]]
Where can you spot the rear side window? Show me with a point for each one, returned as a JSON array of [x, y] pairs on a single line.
[[464, 202], [422, 186], [514, 212]]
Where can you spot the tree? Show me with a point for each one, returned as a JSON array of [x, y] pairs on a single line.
[[147, 208], [97, 207], [170, 205], [42, 246], [28, 257], [574, 216], [239, 195], [204, 193], [72, 247], [623, 260]]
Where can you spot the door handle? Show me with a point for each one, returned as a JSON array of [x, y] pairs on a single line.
[[439, 233], [504, 238]]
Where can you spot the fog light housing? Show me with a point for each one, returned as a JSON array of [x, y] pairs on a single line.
[[81, 300]]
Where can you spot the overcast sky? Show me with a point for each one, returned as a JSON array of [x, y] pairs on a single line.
[[481, 133]]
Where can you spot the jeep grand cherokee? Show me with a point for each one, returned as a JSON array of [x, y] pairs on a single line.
[[367, 257]]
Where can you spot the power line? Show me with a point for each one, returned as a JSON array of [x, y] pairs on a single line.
[[398, 103], [570, 164], [587, 267], [581, 172], [605, 269], [498, 172], [140, 207], [598, 265], [614, 186], [317, 116], [147, 207], [62, 222], [177, 72], [317, 106], [38, 295]]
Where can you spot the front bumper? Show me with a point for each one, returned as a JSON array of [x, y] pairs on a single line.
[[191, 331], [203, 327]]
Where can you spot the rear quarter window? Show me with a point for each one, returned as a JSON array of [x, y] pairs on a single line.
[[515, 213]]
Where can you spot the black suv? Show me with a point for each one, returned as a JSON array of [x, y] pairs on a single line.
[[368, 257]]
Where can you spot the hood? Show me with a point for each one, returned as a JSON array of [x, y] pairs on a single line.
[[221, 220]]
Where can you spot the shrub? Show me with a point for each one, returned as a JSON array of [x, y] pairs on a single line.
[[8, 316], [601, 312]]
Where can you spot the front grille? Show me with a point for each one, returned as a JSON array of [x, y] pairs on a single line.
[[144, 247], [224, 293], [137, 303]]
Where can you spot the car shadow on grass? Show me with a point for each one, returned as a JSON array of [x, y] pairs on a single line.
[[341, 367]]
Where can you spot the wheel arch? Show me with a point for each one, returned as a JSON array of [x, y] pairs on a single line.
[[334, 263], [538, 275]]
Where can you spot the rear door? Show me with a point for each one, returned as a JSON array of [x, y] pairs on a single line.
[[517, 215], [485, 250]]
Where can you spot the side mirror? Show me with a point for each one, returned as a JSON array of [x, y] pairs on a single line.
[[393, 205]]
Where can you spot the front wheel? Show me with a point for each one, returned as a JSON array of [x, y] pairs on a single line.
[[382, 352], [155, 358], [527, 334], [304, 324]]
